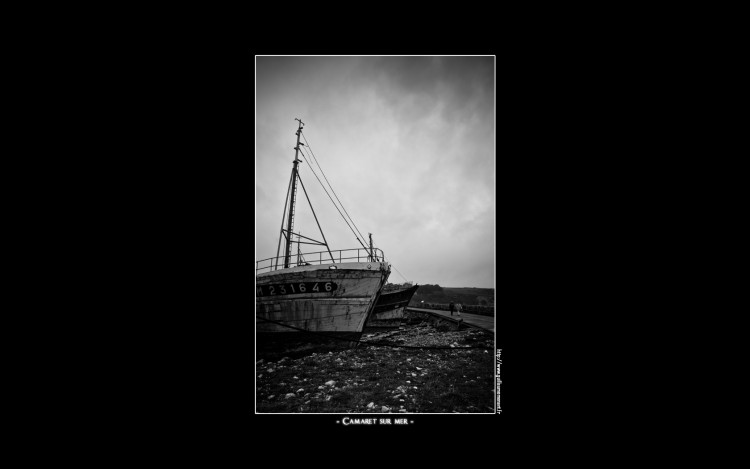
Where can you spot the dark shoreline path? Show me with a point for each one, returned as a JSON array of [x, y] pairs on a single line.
[[477, 320]]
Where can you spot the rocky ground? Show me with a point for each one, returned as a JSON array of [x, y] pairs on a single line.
[[386, 379]]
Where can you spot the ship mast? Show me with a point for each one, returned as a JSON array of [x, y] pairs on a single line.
[[372, 252], [290, 222], [287, 233]]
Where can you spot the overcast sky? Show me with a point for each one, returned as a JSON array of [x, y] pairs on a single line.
[[408, 145]]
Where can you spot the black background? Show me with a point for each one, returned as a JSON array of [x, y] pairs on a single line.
[[174, 176]]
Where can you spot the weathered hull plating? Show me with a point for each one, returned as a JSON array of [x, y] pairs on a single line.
[[392, 318], [390, 307], [317, 298]]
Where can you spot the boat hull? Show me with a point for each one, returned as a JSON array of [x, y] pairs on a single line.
[[318, 299], [390, 307]]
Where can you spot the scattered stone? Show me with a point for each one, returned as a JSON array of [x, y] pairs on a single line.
[[307, 401], [408, 382], [270, 370], [300, 390], [419, 369], [402, 410], [259, 362], [271, 396], [290, 395], [330, 383], [414, 374], [260, 376], [385, 409], [370, 405]]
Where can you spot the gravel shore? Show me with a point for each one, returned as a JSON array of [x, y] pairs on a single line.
[[457, 375]]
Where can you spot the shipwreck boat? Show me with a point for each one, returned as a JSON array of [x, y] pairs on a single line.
[[327, 292], [390, 307]]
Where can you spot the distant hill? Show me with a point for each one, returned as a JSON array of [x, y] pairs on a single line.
[[465, 295]]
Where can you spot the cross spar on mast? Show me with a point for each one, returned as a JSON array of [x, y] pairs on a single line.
[[288, 233]]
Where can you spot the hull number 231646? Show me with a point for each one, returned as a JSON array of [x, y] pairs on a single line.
[[295, 288]]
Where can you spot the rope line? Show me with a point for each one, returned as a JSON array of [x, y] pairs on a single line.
[[402, 275], [329, 185], [329, 196]]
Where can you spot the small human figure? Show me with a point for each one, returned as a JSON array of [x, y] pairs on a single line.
[[451, 306], [459, 308]]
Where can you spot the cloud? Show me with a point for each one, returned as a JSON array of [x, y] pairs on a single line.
[[406, 142]]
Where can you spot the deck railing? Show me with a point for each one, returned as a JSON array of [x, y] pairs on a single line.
[[319, 258]]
